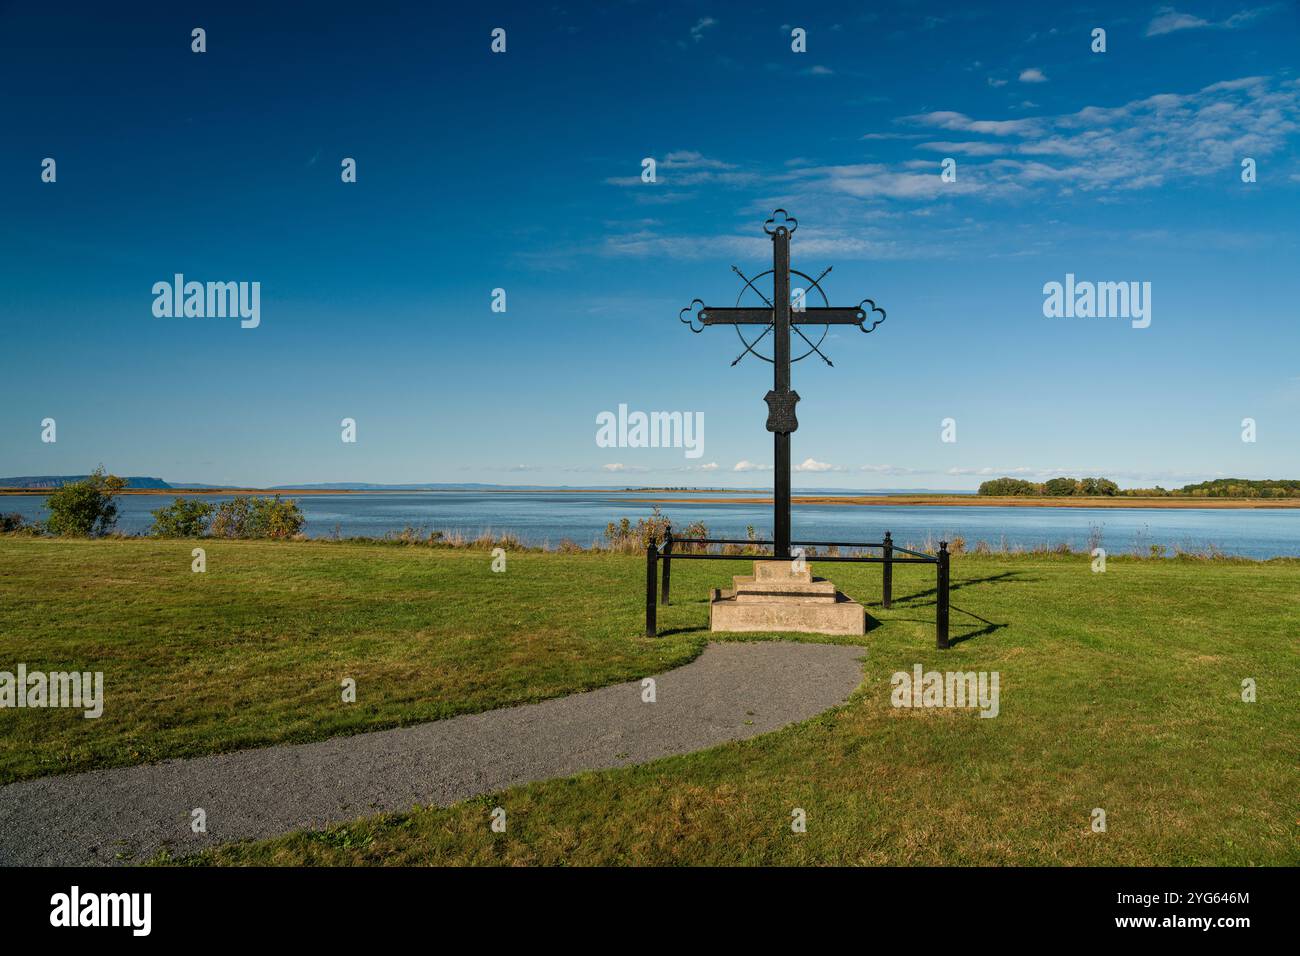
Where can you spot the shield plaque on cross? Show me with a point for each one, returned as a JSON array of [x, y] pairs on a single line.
[[780, 410]]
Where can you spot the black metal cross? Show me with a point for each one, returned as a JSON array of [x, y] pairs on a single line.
[[778, 317]]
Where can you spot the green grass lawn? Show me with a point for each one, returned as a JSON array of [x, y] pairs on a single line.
[[1119, 690]]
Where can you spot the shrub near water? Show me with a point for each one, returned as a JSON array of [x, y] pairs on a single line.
[[245, 517], [183, 518], [12, 522], [84, 508]]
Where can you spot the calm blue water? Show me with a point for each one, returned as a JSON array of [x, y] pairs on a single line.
[[548, 517]]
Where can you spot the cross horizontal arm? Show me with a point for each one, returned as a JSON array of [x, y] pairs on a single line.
[[712, 316], [808, 316], [831, 316]]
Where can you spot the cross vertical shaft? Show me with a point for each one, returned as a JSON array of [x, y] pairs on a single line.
[[781, 385]]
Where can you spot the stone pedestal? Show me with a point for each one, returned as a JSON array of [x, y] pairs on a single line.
[[778, 598]]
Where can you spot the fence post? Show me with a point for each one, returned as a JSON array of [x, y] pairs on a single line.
[[668, 551], [651, 625], [941, 605], [887, 587]]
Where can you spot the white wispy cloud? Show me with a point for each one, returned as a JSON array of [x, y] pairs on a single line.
[[645, 242], [619, 467], [1141, 144], [697, 31], [1192, 134], [1170, 20], [690, 159], [1033, 75], [876, 180], [842, 245], [875, 136], [1118, 474], [947, 119], [686, 167], [811, 464], [746, 465], [893, 470], [966, 149]]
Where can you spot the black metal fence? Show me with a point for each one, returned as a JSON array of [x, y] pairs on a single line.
[[657, 591]]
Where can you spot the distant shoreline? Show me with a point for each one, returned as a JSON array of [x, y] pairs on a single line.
[[710, 497], [195, 492], [991, 501]]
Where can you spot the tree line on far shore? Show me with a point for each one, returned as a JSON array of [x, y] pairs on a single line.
[[88, 509], [1104, 487]]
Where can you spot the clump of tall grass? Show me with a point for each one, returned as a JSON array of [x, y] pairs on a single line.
[[624, 537], [454, 538], [1142, 549], [486, 541]]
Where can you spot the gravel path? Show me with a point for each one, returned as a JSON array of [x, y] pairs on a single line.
[[730, 692]]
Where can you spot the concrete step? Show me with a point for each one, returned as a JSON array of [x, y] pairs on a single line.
[[780, 571], [837, 616], [746, 589]]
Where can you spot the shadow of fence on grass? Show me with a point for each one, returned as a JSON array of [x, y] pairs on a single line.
[[954, 638], [932, 593], [989, 627]]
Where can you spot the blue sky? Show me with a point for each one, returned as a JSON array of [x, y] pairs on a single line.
[[522, 171]]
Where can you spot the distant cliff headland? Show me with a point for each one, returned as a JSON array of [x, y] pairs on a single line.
[[50, 482]]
